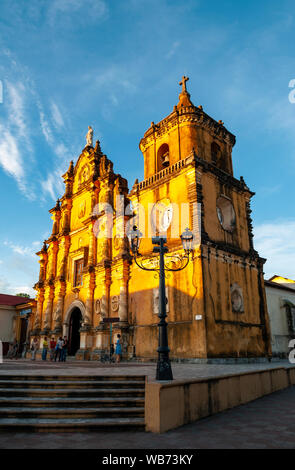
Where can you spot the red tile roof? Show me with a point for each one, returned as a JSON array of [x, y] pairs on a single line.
[[12, 300]]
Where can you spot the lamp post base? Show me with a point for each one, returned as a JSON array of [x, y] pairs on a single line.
[[164, 371]]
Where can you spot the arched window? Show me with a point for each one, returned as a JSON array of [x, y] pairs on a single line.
[[163, 157]]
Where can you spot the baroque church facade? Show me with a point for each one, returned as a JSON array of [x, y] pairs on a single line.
[[216, 306]]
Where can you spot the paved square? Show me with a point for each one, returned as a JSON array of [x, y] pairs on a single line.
[[266, 423]]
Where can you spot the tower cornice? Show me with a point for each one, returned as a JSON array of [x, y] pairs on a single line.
[[186, 114]]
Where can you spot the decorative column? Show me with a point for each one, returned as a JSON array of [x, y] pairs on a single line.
[[58, 313], [61, 287], [53, 264], [68, 179], [101, 331], [92, 245], [40, 289], [66, 218], [105, 294], [38, 315], [123, 299], [88, 318], [56, 215], [48, 312]]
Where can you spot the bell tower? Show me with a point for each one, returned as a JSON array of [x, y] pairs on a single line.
[[217, 306], [187, 128]]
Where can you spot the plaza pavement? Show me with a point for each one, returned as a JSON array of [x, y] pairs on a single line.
[[181, 371], [266, 423]]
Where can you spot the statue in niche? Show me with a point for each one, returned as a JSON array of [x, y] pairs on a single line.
[[82, 209], [84, 175]]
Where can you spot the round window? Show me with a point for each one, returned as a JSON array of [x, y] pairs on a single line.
[[226, 213]]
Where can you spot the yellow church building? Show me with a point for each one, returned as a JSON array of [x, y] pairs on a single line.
[[216, 306]]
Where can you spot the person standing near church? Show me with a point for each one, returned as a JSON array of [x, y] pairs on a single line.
[[118, 350], [52, 348], [34, 348], [45, 349], [58, 349], [64, 349]]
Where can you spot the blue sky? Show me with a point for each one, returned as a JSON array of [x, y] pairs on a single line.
[[116, 64]]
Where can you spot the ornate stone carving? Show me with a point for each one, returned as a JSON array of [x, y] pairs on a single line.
[[115, 303], [237, 299], [97, 307]]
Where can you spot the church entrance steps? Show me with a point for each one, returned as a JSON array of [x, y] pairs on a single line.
[[69, 378], [80, 392], [36, 384], [70, 413], [71, 403], [72, 425]]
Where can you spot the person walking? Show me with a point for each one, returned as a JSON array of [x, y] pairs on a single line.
[[118, 350], [34, 348], [52, 348], [15, 349], [58, 349], [64, 349], [45, 348]]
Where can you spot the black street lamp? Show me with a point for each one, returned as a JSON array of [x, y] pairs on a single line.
[[164, 371]]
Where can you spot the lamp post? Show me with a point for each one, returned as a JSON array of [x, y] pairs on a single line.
[[164, 371]]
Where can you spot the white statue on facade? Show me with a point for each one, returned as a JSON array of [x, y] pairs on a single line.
[[89, 137]]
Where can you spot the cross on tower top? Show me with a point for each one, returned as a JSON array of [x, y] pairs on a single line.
[[183, 83]]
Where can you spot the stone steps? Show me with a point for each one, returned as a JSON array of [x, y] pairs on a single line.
[[69, 384], [69, 378], [71, 425], [50, 392], [70, 413], [64, 402], [71, 403]]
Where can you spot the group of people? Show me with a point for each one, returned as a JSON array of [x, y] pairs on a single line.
[[13, 350], [57, 349]]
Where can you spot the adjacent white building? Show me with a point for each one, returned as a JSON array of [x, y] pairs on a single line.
[[280, 295], [15, 312]]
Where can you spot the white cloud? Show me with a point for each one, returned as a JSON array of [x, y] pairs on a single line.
[[7, 288], [15, 135], [21, 250], [10, 156], [56, 116], [23, 289], [45, 127], [53, 184], [16, 94], [276, 242], [19, 270]]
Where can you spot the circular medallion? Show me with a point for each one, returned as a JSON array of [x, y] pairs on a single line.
[[226, 213]]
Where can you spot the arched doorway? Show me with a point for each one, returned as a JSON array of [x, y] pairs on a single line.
[[74, 334]]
